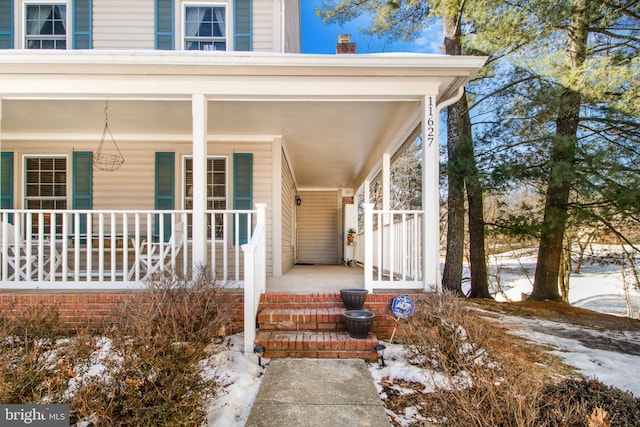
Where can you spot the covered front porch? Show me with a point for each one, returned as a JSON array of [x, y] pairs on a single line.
[[217, 147]]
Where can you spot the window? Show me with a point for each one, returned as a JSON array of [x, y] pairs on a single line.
[[216, 189], [46, 186], [205, 27], [46, 26]]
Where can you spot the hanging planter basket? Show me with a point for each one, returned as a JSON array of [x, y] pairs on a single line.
[[107, 161]]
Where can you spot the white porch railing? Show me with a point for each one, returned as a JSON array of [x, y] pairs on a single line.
[[100, 249], [393, 249], [255, 277]]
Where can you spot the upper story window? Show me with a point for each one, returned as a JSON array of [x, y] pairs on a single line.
[[205, 27], [46, 26]]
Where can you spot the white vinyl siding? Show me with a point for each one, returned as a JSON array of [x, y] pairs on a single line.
[[132, 186], [288, 216], [317, 228], [263, 26], [115, 29]]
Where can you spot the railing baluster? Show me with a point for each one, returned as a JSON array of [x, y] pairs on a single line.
[[100, 247], [125, 245], [114, 245]]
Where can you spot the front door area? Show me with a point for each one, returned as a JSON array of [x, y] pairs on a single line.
[[318, 237]]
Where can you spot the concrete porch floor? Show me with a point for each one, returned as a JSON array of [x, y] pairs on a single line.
[[317, 279]]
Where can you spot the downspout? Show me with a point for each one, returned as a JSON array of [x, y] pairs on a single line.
[[450, 101]]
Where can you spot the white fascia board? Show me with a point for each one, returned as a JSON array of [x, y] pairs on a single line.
[[157, 61]]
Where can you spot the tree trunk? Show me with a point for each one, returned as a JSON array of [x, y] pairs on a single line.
[[562, 165], [452, 276], [477, 254], [462, 169]]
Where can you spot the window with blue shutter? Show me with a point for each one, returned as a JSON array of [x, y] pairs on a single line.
[[164, 16], [82, 24], [6, 24], [82, 185], [242, 25], [242, 190], [164, 193], [6, 182]]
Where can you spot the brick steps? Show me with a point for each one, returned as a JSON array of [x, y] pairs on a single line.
[[302, 319], [324, 344], [310, 326]]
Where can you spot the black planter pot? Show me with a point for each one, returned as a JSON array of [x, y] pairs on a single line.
[[354, 299], [358, 322]]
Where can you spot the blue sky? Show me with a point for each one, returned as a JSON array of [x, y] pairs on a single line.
[[320, 38]]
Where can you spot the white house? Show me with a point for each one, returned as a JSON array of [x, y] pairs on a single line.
[[198, 127]]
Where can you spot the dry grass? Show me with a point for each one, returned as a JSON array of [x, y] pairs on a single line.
[[493, 378]]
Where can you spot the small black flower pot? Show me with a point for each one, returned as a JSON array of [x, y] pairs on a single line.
[[354, 299], [358, 322]]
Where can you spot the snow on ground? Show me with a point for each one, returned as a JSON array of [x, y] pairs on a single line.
[[611, 367], [599, 286], [513, 272], [239, 376]]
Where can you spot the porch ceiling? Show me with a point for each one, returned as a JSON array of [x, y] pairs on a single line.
[[328, 142], [337, 114]]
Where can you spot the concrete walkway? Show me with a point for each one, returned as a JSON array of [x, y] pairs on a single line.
[[317, 393]]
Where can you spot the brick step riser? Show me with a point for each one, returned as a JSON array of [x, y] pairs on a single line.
[[335, 345], [302, 319], [321, 354]]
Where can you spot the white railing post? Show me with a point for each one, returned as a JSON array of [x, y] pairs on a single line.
[[262, 260], [368, 246], [254, 276]]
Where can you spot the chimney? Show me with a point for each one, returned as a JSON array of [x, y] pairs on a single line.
[[344, 44]]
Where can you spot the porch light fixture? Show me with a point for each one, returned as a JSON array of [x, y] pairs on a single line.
[[298, 200], [259, 350], [380, 349], [106, 161]]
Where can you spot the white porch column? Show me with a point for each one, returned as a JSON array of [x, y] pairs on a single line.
[[367, 191], [199, 221], [276, 206], [368, 246], [430, 195], [386, 181]]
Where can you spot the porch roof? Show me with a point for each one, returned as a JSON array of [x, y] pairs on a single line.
[[335, 113]]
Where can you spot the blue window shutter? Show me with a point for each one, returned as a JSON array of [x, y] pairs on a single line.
[[82, 184], [242, 25], [6, 182], [6, 24], [242, 189], [164, 193], [82, 24], [164, 17]]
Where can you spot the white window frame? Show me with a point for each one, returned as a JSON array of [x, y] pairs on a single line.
[[212, 199], [183, 24], [68, 23]]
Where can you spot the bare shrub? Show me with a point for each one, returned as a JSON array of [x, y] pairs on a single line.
[[580, 402], [152, 376], [36, 366], [179, 309], [471, 388]]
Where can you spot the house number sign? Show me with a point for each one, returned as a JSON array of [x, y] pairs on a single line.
[[429, 120]]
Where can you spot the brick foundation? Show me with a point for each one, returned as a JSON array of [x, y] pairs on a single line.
[[92, 309]]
